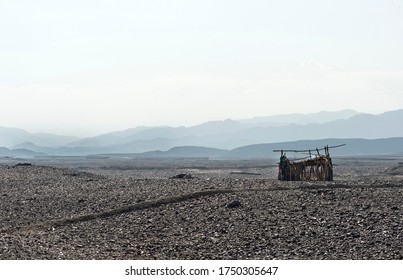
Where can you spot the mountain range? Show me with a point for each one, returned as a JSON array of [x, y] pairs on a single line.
[[227, 138]]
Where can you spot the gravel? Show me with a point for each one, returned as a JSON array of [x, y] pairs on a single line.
[[220, 211]]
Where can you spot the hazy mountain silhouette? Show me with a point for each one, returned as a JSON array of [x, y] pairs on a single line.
[[320, 118], [188, 151], [23, 153], [387, 146], [178, 135], [14, 136], [223, 135], [112, 138]]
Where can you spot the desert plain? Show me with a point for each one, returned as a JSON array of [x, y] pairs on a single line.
[[127, 208]]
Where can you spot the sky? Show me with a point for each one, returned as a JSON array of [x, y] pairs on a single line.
[[82, 67]]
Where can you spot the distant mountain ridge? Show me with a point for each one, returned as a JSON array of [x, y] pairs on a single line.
[[226, 135], [16, 153], [13, 136], [320, 118], [354, 147]]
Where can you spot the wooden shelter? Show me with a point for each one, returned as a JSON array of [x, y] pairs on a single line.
[[317, 167]]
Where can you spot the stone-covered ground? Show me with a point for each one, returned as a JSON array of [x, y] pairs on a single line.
[[226, 210]]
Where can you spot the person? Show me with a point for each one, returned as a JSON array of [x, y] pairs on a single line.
[[283, 165]]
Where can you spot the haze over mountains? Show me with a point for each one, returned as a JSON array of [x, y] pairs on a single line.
[[227, 138]]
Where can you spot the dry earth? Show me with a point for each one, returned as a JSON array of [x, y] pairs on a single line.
[[133, 209]]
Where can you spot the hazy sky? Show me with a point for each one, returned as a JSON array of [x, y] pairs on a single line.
[[85, 67]]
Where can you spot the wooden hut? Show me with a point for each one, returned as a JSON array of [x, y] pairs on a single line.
[[317, 167]]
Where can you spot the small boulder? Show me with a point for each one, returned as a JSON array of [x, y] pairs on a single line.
[[233, 204], [183, 176], [23, 164]]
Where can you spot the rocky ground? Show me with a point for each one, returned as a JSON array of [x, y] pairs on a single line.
[[141, 209]]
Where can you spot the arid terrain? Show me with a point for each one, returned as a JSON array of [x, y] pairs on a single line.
[[128, 208]]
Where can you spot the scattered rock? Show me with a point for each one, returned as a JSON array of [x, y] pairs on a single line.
[[183, 176], [72, 174], [233, 204], [23, 164]]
